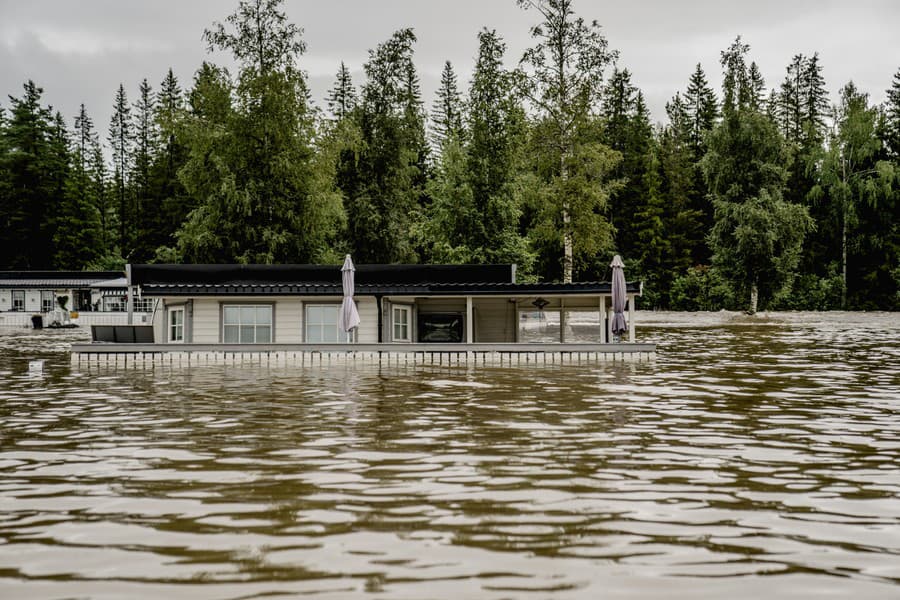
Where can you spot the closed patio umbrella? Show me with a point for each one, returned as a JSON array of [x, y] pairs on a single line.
[[349, 317], [619, 325]]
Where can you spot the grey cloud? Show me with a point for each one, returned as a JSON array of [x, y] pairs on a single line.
[[660, 41]]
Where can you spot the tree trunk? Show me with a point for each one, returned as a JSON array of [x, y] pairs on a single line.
[[568, 258], [754, 297], [568, 242], [844, 263]]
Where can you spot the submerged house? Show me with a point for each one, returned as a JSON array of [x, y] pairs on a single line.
[[402, 308], [94, 296]]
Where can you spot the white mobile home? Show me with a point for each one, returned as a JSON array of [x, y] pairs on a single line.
[[402, 308]]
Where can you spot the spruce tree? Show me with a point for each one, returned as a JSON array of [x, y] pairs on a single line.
[[892, 119], [814, 102], [756, 95], [104, 201], [173, 204], [626, 126], [77, 236], [390, 168], [342, 97], [701, 114], [121, 142], [144, 207], [702, 111], [790, 101], [28, 201], [446, 112], [476, 199]]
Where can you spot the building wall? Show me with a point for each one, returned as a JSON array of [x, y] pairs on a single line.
[[204, 320], [368, 321], [495, 320]]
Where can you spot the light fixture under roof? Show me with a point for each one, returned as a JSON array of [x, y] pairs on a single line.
[[540, 303]]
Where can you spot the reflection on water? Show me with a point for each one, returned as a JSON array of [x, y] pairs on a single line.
[[752, 456]]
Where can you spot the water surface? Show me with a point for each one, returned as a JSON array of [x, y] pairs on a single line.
[[752, 457]]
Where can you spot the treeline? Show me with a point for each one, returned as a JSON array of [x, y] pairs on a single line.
[[775, 195]]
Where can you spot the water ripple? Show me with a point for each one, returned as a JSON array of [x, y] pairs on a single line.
[[753, 456]]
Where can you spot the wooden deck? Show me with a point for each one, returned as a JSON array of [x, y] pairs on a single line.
[[188, 355]]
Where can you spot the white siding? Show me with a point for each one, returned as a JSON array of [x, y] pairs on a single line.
[[206, 321], [33, 301], [288, 321], [5, 300], [159, 323], [367, 332]]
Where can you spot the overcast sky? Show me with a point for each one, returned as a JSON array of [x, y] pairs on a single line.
[[79, 51]]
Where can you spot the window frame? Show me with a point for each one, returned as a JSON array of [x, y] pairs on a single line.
[[114, 303], [349, 337], [146, 305], [52, 302], [170, 312], [223, 306], [403, 308], [13, 298]]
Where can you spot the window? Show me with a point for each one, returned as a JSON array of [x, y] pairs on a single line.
[[18, 298], [539, 326], [401, 324], [114, 303], [47, 298], [247, 324], [322, 325], [440, 327], [143, 305], [176, 324]]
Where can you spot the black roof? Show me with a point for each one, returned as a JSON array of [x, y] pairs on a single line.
[[319, 274], [325, 280], [56, 279]]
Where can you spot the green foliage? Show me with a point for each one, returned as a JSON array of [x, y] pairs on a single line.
[[757, 242], [570, 204], [342, 97], [250, 156], [627, 130], [562, 78], [446, 113], [78, 231], [108, 262], [702, 288], [859, 189], [120, 141], [890, 132], [383, 186], [552, 166], [31, 178], [757, 236]]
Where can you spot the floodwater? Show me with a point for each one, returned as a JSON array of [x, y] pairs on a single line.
[[754, 457]]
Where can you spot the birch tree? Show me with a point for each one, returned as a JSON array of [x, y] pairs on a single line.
[[562, 78]]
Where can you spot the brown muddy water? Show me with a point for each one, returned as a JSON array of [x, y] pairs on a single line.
[[752, 458]]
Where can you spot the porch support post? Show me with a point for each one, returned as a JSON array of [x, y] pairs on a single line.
[[129, 295], [603, 337], [470, 325], [380, 321], [562, 320], [631, 318]]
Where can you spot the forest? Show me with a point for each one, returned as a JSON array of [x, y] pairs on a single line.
[[755, 196]]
